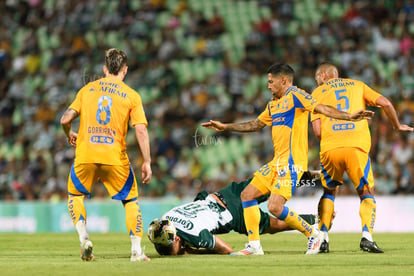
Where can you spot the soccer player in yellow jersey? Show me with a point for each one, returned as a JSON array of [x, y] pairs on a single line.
[[105, 107], [288, 115], [345, 147]]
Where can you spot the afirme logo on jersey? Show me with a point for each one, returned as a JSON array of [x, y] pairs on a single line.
[[186, 224], [99, 139]]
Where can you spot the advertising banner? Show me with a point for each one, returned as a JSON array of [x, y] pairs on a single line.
[[109, 215]]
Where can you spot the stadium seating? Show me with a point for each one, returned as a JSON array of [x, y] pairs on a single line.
[[53, 63]]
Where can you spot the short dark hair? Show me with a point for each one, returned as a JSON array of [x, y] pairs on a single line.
[[281, 69], [115, 60], [164, 249]]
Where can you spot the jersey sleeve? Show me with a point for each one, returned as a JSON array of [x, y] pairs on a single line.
[[137, 112], [306, 101], [370, 95], [201, 195], [265, 117], [315, 95], [205, 239], [76, 104], [315, 116]]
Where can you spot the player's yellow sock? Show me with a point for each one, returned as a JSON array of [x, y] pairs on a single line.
[[295, 221], [367, 212], [76, 208], [251, 214], [133, 218], [325, 212]]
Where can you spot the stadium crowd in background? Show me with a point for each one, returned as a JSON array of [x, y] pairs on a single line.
[[192, 60]]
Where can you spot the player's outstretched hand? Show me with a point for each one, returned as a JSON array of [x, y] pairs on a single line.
[[73, 136], [216, 125], [361, 115], [405, 128], [146, 172]]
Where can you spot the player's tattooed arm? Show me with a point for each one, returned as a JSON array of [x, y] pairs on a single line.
[[341, 115], [66, 122], [246, 126], [249, 126], [67, 119]]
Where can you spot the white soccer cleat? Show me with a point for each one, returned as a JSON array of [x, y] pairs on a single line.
[[249, 250], [139, 258], [314, 243], [86, 250]]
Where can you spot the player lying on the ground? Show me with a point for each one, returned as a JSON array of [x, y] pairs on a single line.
[[197, 222]]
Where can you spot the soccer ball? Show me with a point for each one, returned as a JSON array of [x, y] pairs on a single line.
[[161, 231]]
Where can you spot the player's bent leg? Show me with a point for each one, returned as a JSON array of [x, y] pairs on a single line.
[[325, 213], [251, 213], [76, 208], [134, 225], [277, 208], [78, 214], [367, 212], [121, 184], [277, 225]]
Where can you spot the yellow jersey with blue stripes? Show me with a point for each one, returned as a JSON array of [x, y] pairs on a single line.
[[347, 95], [105, 107], [289, 117]]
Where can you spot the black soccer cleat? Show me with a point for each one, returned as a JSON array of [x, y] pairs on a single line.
[[324, 247], [369, 246]]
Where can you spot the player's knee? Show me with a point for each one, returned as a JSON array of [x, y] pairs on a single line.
[[275, 208], [245, 195], [365, 191], [328, 194]]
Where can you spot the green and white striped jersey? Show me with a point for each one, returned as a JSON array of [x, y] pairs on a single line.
[[197, 222]]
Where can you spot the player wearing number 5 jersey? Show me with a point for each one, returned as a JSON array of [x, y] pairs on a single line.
[[288, 115], [105, 107], [345, 147]]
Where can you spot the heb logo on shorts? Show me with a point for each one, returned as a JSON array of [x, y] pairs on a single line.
[[339, 127], [100, 139]]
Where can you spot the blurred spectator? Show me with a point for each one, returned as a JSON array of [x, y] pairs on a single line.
[[190, 61], [402, 152]]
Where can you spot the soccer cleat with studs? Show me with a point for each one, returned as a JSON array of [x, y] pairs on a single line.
[[86, 251], [139, 258], [314, 243], [249, 250], [324, 247], [369, 246]]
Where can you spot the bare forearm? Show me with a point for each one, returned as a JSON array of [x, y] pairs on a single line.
[[143, 141], [392, 115], [332, 112], [66, 128], [316, 124], [66, 120], [199, 251], [389, 111], [250, 126], [221, 247]]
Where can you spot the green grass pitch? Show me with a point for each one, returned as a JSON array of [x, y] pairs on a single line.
[[59, 254]]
